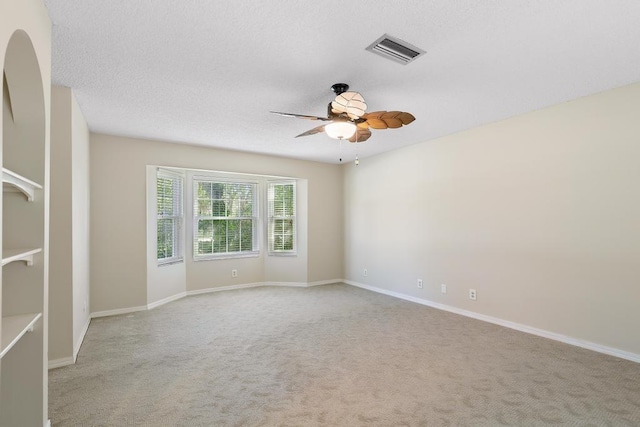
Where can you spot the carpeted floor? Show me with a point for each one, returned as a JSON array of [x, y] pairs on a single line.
[[331, 355]]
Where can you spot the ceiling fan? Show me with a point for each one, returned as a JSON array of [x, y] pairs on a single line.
[[348, 117]]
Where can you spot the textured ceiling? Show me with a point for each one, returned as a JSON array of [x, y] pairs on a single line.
[[208, 72]]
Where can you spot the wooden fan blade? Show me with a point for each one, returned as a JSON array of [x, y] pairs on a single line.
[[300, 116], [388, 119], [404, 117], [361, 135], [377, 123], [312, 131]]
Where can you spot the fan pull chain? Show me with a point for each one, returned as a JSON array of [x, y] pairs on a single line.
[[340, 150], [357, 162]]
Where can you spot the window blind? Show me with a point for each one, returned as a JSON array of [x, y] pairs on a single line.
[[281, 214], [225, 218], [169, 216]]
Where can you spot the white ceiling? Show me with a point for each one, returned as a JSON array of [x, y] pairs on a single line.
[[208, 72]]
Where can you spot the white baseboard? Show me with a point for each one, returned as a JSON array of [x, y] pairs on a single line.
[[224, 288], [59, 363], [76, 348], [507, 324], [325, 282], [117, 311], [66, 361], [208, 290], [286, 284], [259, 284], [166, 300]]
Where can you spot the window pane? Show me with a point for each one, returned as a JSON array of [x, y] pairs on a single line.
[[246, 235], [219, 208], [204, 238], [219, 236], [230, 208], [169, 215], [233, 235], [282, 202], [165, 202], [165, 238], [204, 208]]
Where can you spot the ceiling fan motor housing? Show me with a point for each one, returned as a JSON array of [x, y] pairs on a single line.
[[339, 88]]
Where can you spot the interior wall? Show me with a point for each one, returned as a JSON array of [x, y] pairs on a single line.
[[69, 271], [61, 266], [119, 212], [537, 213], [80, 223]]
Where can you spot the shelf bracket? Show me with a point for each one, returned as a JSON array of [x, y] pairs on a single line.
[[11, 181]]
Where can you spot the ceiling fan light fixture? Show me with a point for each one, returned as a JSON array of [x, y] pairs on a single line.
[[340, 130], [351, 103]]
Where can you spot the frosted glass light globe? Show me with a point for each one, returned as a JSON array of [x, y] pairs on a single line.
[[340, 130]]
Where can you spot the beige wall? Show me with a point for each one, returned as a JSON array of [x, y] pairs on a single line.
[[539, 213], [61, 265], [69, 271], [119, 218], [80, 223]]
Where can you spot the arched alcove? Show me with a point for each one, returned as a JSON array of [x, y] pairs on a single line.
[[23, 109], [23, 374]]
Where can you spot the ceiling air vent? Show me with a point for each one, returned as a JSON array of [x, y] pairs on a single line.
[[395, 49]]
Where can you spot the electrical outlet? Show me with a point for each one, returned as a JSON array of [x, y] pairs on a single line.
[[365, 273], [443, 288], [420, 283], [234, 273], [472, 294]]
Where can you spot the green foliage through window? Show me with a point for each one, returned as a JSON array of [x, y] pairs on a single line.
[[282, 214], [225, 217], [169, 216]]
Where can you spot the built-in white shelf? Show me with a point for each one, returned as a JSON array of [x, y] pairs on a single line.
[[14, 328], [12, 181], [11, 255]]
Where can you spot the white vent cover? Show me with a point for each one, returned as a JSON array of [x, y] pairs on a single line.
[[395, 49]]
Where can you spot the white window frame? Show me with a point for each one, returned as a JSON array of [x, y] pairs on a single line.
[[255, 218], [273, 216], [177, 216]]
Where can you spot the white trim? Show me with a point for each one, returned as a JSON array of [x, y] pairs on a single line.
[[66, 361], [224, 288], [287, 284], [325, 282], [117, 311], [76, 348], [48, 424], [175, 297], [507, 324], [226, 255], [59, 363], [166, 300]]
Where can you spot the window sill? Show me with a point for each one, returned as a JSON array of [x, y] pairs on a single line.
[[226, 256], [170, 262], [284, 254]]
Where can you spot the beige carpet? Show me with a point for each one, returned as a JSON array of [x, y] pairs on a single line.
[[332, 355]]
